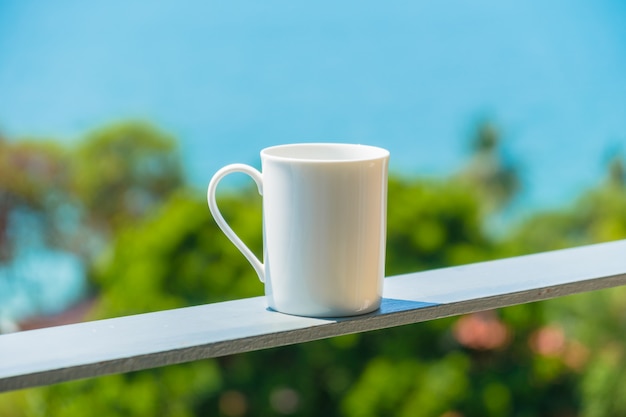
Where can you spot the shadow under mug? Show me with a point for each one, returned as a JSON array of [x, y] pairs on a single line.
[[324, 226]]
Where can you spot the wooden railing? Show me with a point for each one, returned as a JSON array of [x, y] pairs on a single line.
[[123, 344]]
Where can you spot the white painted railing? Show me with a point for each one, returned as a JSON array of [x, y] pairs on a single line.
[[47, 356]]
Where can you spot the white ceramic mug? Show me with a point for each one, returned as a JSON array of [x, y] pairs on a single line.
[[324, 227]]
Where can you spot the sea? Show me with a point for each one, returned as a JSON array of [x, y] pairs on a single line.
[[228, 78]]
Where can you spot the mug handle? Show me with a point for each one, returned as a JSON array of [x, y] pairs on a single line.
[[219, 219]]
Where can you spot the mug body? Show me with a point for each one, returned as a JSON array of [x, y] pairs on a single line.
[[324, 225]]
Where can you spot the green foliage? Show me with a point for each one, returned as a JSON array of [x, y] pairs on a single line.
[[432, 224], [173, 391], [604, 385], [408, 387], [179, 257]]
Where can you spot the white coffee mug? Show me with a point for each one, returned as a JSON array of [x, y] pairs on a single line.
[[324, 227]]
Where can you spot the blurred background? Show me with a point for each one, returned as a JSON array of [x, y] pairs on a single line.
[[506, 124]]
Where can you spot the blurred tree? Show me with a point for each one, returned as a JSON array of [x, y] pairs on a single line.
[[495, 178], [34, 179], [123, 171], [59, 207], [616, 172], [37, 229], [117, 174]]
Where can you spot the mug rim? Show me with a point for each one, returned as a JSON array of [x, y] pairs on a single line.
[[370, 153]]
